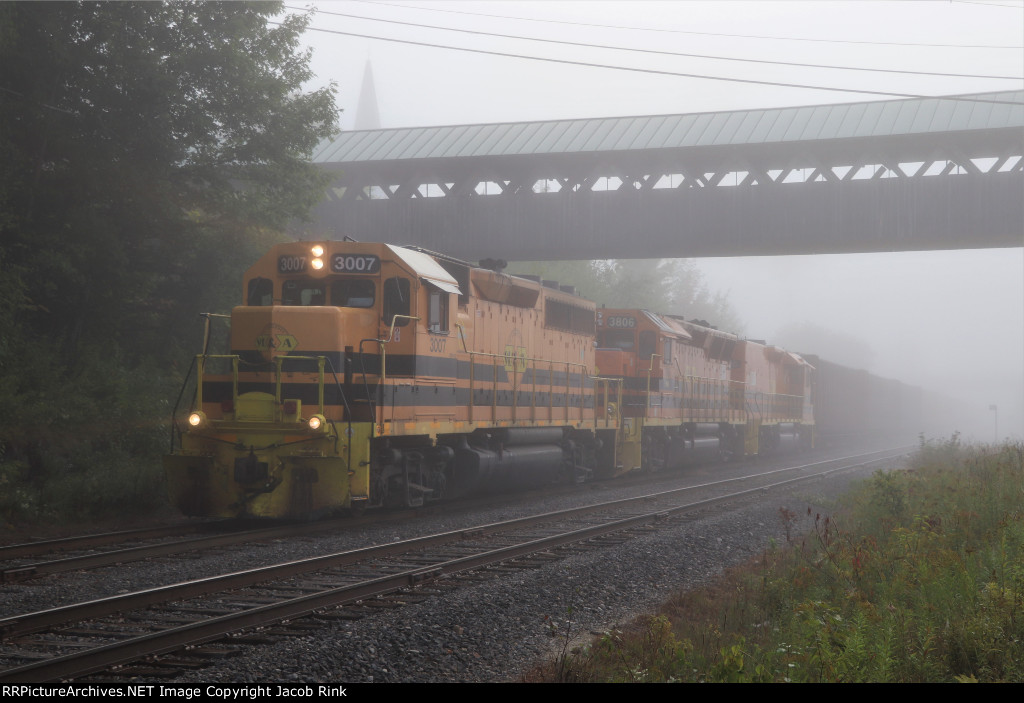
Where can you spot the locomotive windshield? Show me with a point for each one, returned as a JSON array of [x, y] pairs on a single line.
[[346, 293], [304, 293], [354, 293], [617, 339]]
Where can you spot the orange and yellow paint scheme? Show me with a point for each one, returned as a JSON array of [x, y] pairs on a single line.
[[688, 394], [364, 374]]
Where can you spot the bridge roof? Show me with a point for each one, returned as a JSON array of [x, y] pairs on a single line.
[[978, 111]]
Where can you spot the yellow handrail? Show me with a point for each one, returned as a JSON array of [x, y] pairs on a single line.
[[532, 362]]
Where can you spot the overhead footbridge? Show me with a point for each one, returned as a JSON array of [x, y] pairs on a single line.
[[895, 175]]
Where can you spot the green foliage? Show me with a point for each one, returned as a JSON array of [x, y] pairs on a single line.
[[149, 152], [921, 581], [650, 654], [668, 286]]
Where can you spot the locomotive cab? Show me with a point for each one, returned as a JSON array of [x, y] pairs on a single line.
[[308, 348]]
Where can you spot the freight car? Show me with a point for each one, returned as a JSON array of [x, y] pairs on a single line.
[[852, 405], [364, 375]]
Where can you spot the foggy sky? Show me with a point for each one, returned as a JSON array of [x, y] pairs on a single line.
[[951, 321]]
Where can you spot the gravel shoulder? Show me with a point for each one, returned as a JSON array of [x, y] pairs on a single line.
[[494, 629]]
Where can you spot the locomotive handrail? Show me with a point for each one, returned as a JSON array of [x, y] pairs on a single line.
[[279, 363], [515, 361], [200, 371], [383, 361], [777, 407], [602, 383], [650, 371], [207, 316]]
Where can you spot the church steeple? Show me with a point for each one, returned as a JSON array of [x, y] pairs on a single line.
[[367, 114]]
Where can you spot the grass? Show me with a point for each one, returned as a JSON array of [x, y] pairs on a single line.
[[96, 455], [919, 577]]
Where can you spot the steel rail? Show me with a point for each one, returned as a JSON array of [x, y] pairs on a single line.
[[28, 549], [33, 622], [107, 656], [120, 556]]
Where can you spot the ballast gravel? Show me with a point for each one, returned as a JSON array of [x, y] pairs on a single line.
[[491, 628]]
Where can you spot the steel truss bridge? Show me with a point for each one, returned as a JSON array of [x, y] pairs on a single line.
[[934, 173]]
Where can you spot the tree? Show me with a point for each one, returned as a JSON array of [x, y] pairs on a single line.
[[669, 286], [148, 152], [137, 134]]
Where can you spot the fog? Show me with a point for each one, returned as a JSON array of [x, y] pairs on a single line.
[[948, 321]]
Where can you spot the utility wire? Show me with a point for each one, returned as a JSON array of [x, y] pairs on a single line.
[[660, 52], [989, 4], [683, 31], [37, 102], [861, 91]]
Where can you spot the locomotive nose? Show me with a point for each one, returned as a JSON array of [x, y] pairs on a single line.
[[261, 334]]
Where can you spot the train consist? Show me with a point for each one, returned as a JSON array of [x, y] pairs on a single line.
[[363, 375]]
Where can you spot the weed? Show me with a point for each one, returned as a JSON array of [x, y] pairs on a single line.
[[919, 578]]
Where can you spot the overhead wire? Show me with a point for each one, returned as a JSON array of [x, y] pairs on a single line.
[[989, 4], [652, 71], [659, 52], [691, 32]]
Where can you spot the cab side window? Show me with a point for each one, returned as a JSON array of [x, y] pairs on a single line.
[[648, 344], [437, 315], [396, 300]]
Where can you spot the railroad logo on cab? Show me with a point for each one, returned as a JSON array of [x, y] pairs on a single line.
[[274, 339], [515, 353]]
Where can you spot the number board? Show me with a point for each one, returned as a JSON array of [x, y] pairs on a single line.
[[291, 264], [621, 321], [355, 263]]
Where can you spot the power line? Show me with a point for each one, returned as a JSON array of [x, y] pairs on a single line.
[[989, 4], [654, 71], [37, 102], [660, 52], [703, 34]]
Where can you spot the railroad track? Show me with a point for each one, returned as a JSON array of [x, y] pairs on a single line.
[[19, 564], [81, 639], [36, 559], [31, 560]]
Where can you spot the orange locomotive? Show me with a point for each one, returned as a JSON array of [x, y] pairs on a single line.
[[364, 374], [693, 393]]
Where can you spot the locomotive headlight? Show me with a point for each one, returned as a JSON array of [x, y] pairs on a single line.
[[317, 250], [317, 422], [317, 264], [197, 419]]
